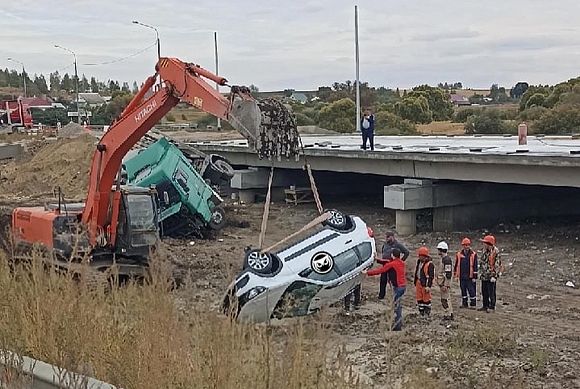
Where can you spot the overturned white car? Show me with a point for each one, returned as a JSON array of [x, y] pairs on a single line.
[[303, 277]]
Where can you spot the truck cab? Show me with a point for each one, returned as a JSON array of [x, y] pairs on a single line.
[[188, 204]]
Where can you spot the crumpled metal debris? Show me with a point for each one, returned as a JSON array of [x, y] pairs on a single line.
[[278, 134]]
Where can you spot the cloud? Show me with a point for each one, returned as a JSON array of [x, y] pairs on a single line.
[[276, 44]]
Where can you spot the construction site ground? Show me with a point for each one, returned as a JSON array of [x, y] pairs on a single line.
[[531, 341]]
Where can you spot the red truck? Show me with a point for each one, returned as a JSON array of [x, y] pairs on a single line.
[[15, 115]]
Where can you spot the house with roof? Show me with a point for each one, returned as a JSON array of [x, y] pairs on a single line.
[[299, 97], [459, 100], [91, 100]]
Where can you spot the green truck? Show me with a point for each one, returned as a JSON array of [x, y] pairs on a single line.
[[188, 203]]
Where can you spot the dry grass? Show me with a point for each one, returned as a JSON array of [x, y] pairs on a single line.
[[137, 337], [441, 128]]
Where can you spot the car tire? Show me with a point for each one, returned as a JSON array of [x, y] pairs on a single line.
[[337, 220], [258, 262], [218, 218], [218, 170]]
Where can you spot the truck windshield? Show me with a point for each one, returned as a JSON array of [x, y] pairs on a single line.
[[141, 212]]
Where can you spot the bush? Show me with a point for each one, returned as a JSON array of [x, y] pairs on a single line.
[[463, 113], [487, 122], [559, 121], [338, 116], [304, 120], [536, 100], [414, 109], [534, 113], [387, 123]]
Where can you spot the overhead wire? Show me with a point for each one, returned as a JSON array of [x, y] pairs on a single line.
[[122, 58]]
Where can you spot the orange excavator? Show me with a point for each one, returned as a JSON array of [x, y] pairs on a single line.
[[118, 224]]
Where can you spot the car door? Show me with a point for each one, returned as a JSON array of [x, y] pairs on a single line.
[[337, 282]]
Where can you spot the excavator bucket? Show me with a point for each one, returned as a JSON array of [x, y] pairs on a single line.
[[269, 126]]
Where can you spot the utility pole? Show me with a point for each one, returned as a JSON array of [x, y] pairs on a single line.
[[23, 73], [217, 71], [357, 69], [76, 80], [157, 39]]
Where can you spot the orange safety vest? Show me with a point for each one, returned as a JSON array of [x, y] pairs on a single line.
[[458, 258]]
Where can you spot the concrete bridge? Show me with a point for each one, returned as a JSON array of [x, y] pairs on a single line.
[[461, 178]]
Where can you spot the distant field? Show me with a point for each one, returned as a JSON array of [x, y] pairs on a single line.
[[443, 128]]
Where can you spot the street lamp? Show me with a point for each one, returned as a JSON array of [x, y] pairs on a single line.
[[23, 72], [156, 34], [76, 80]]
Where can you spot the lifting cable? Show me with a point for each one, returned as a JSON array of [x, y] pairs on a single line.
[[266, 213]]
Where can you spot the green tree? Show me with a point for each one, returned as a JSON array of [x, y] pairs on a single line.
[[84, 84], [66, 83], [40, 83], [439, 103], [536, 100], [532, 90], [304, 120], [561, 120], [519, 89], [54, 79], [414, 108], [487, 122], [339, 116], [387, 123], [94, 85], [135, 87]]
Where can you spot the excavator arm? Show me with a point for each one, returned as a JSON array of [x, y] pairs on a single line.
[[269, 128]]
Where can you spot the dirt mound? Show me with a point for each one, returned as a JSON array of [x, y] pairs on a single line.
[[64, 163], [71, 130]]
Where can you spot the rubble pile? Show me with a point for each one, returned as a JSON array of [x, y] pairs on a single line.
[[71, 130], [64, 163]]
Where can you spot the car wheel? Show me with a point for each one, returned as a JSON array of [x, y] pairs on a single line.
[[218, 218], [337, 220], [258, 261]]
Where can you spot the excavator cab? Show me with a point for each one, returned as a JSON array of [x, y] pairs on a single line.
[[137, 228]]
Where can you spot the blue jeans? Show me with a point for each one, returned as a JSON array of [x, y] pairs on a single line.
[[398, 293]]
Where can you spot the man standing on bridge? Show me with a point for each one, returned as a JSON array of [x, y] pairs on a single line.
[[367, 127], [390, 244]]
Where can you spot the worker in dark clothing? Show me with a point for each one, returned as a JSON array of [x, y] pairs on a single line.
[[395, 268], [466, 273], [347, 299], [390, 244], [444, 276], [367, 127], [490, 268], [424, 275]]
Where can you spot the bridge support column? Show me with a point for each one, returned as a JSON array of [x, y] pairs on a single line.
[[461, 206], [406, 222]]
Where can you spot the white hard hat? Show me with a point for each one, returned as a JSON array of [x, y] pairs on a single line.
[[443, 246]]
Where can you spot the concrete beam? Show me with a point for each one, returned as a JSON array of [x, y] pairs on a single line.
[[520, 169], [257, 178], [8, 151]]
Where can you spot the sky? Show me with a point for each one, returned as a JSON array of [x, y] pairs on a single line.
[[303, 44]]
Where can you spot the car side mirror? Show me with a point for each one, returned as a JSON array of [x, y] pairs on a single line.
[[166, 197]]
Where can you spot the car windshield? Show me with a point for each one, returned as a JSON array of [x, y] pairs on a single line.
[[141, 212]]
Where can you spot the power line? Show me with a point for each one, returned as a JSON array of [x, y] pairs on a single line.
[[122, 58]]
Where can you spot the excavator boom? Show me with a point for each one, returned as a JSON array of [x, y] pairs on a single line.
[[268, 126]]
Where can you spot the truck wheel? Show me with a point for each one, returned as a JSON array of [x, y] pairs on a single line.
[[218, 170], [218, 218]]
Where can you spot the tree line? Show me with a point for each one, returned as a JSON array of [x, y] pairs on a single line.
[[58, 84]]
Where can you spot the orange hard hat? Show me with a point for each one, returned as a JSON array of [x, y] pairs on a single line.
[[489, 239], [466, 242], [423, 252]]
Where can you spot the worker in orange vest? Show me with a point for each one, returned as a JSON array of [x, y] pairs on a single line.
[[466, 273], [490, 268], [424, 275]]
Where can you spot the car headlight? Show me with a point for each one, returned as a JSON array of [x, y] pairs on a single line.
[[254, 292]]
